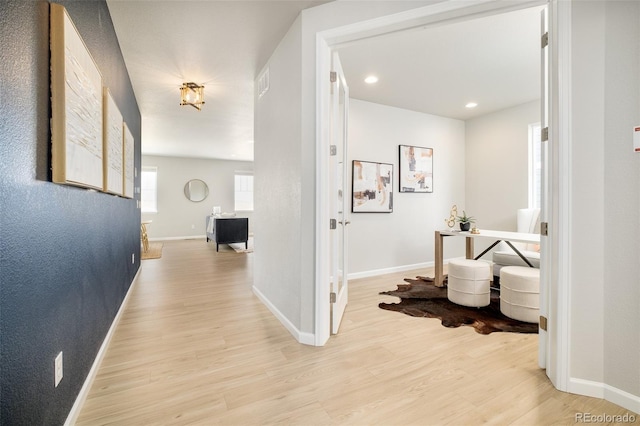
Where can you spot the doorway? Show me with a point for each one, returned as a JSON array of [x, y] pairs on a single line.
[[430, 16]]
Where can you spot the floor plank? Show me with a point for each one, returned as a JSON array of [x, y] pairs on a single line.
[[196, 347]]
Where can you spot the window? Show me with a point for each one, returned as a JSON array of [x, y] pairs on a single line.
[[243, 192], [535, 165], [149, 189]]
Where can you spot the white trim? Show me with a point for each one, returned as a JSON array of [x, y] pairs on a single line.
[[188, 237], [586, 387], [390, 270], [622, 398], [560, 197], [72, 417], [444, 12], [300, 336], [436, 14], [322, 284], [604, 391]]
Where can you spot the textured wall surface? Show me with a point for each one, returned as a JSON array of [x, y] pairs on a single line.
[[65, 253]]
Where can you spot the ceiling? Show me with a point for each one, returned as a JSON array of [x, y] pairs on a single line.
[[222, 44], [493, 61]]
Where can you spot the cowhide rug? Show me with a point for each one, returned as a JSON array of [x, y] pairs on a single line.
[[420, 298]]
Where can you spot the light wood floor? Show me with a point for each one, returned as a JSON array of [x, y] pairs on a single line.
[[195, 346]]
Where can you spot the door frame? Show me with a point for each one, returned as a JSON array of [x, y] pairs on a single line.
[[560, 132]]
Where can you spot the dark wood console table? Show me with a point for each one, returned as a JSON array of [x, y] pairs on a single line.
[[227, 230]]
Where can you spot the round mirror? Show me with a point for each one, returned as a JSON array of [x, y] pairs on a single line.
[[196, 190]]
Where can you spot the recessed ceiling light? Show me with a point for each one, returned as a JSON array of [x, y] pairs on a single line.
[[371, 79], [471, 105]]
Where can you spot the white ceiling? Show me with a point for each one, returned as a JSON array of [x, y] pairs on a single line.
[[221, 44], [493, 61]]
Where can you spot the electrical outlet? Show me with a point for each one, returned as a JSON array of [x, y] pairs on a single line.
[[58, 369], [193, 227]]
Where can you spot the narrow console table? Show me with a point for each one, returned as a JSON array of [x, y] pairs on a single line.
[[507, 237], [229, 230]]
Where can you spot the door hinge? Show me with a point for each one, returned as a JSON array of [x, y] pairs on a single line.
[[543, 323], [544, 228], [332, 297], [333, 76], [545, 40], [544, 135], [333, 224], [333, 150]]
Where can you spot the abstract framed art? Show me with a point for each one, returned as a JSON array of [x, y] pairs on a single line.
[[113, 146], [129, 169], [416, 169], [76, 107], [372, 187]]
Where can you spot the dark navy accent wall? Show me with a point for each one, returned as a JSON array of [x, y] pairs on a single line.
[[65, 252]]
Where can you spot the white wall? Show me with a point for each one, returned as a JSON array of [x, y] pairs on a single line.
[[405, 237], [278, 191], [605, 225], [285, 198], [178, 217], [622, 199], [619, 309], [587, 255], [497, 174]]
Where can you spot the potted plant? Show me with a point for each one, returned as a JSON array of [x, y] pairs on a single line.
[[465, 221]]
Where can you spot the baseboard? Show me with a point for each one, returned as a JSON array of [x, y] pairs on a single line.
[[391, 270], [189, 237], [86, 387], [300, 336], [624, 399], [604, 391]]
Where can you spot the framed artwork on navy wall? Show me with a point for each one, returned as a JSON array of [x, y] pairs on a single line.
[[372, 187], [129, 168], [76, 107], [416, 169], [113, 146]]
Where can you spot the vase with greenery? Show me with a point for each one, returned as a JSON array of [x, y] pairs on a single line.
[[465, 221]]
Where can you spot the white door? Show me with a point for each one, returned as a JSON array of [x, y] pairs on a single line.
[[545, 208], [338, 194]]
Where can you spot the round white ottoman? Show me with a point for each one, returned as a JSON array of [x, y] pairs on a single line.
[[520, 293], [468, 283]]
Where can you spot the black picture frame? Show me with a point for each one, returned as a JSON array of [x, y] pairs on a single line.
[[416, 169]]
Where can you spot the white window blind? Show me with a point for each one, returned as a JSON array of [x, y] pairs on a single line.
[[243, 192], [149, 189]]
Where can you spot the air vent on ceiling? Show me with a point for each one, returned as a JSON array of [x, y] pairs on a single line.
[[263, 83]]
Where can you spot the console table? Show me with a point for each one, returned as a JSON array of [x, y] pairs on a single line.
[[229, 230], [507, 237]]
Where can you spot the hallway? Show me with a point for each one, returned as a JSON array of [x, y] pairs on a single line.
[[195, 346]]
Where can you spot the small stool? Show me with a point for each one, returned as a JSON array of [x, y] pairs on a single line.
[[520, 293], [469, 282]]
